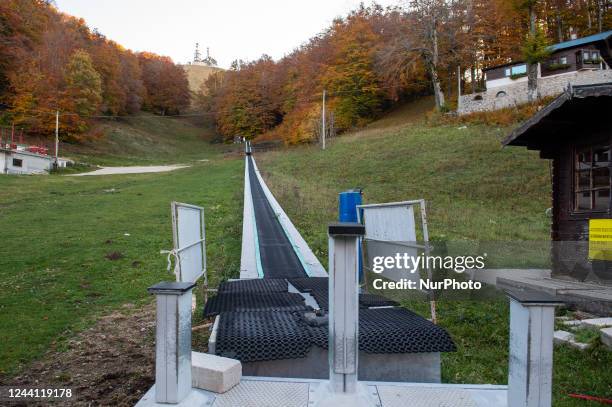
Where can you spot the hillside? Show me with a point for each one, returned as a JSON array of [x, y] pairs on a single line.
[[86, 247], [197, 75], [143, 139], [476, 193], [475, 189]]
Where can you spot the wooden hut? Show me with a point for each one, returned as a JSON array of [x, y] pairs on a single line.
[[575, 132]]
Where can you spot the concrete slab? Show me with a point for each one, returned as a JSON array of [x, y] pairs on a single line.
[[606, 337], [573, 322], [214, 373], [567, 338], [597, 322], [131, 170], [563, 336]]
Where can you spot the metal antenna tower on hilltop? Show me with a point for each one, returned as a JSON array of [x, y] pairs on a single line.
[[197, 57]]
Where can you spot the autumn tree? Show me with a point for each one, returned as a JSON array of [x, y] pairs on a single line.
[[428, 16], [350, 78], [83, 94], [166, 85], [46, 54]]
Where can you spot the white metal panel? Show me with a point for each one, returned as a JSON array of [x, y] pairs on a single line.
[[386, 224], [189, 241], [390, 223]]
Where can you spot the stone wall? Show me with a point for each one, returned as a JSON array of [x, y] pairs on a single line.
[[516, 93]]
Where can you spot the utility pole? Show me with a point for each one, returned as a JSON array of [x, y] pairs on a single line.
[[323, 121], [459, 88], [56, 136]]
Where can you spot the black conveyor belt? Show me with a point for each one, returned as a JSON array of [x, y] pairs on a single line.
[[278, 258], [260, 320]]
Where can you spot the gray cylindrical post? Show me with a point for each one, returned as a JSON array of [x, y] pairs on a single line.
[[172, 341], [344, 305], [532, 319]]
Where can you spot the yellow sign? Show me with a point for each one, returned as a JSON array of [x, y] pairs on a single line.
[[600, 239]]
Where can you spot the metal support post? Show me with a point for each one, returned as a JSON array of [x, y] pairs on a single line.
[[343, 388], [532, 319], [172, 341]]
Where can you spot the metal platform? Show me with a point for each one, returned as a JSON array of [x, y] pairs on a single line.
[[278, 392]]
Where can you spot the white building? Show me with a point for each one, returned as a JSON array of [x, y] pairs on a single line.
[[582, 61], [16, 161]]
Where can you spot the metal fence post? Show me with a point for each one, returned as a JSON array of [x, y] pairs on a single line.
[[172, 341], [532, 319]]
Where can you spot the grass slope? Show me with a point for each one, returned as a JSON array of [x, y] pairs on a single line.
[[142, 139], [56, 272], [475, 191]]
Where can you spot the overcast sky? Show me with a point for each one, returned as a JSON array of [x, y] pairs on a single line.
[[231, 28]]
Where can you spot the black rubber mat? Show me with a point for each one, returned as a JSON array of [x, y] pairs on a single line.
[[278, 257], [318, 287], [391, 330], [375, 300], [398, 330], [251, 301], [256, 285], [257, 336], [260, 320], [321, 296], [253, 336], [308, 284]]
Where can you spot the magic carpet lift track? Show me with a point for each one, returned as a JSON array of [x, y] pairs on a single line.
[[263, 320]]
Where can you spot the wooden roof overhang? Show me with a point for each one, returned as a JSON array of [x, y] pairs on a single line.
[[578, 110]]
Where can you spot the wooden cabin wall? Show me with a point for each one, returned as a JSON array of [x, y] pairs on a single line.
[[570, 230]]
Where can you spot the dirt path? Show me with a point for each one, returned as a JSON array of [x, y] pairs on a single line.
[[131, 170], [110, 364]]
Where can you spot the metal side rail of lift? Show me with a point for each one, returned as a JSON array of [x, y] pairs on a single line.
[[272, 247]]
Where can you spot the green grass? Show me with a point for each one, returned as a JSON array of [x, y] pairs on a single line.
[[477, 193], [586, 335], [144, 139], [55, 277], [475, 190]]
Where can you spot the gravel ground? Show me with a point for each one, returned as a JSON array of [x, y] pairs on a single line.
[[131, 170]]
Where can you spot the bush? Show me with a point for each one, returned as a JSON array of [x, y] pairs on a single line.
[[557, 67], [517, 76]]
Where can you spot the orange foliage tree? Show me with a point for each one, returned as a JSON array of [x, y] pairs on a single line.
[[376, 57], [50, 61]]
